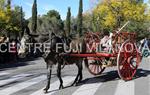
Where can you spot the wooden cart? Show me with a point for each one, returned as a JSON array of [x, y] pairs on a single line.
[[122, 53]]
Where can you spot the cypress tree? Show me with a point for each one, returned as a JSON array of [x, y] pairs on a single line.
[[21, 21], [8, 4], [68, 21], [34, 17], [9, 8], [139, 1], [8, 12], [79, 22]]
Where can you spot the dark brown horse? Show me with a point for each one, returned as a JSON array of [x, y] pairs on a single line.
[[56, 57]]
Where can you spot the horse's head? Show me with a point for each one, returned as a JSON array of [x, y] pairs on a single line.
[[54, 41]]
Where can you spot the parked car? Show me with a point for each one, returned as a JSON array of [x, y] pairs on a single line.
[[145, 47]]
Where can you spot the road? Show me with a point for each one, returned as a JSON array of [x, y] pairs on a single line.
[[29, 78]]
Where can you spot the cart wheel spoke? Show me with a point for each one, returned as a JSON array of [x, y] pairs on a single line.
[[95, 68], [100, 67]]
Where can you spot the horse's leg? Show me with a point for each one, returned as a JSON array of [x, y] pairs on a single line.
[[59, 76], [76, 79], [80, 67], [49, 71]]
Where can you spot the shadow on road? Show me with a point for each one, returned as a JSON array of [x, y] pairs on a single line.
[[21, 62], [142, 73], [105, 77], [112, 76]]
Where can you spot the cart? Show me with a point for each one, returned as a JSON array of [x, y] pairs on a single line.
[[122, 53]]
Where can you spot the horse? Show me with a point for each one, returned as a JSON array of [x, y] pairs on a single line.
[[55, 58]]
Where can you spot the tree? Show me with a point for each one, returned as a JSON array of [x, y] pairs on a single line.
[[21, 19], [2, 11], [79, 22], [68, 22], [112, 14], [9, 7], [2, 4], [10, 19], [139, 1], [50, 22], [8, 13], [16, 22], [3, 18], [34, 17], [55, 22], [21, 22]]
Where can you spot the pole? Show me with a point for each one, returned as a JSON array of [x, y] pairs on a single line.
[[123, 26]]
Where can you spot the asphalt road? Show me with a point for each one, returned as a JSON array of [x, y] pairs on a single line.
[[29, 78]]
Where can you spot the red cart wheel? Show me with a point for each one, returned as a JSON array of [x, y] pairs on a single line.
[[95, 68], [128, 60]]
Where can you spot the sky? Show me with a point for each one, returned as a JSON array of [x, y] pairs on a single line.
[[45, 5], [60, 5]]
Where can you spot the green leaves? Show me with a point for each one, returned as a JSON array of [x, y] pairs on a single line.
[[51, 22], [10, 18]]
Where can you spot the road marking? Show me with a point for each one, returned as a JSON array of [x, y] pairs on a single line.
[[149, 75], [54, 86], [20, 86], [87, 89], [13, 78], [3, 73], [125, 88]]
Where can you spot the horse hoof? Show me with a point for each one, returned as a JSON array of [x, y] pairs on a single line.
[[61, 87], [74, 84], [45, 90], [79, 82]]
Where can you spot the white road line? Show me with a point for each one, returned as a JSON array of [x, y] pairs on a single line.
[[125, 88], [3, 73], [149, 84], [20, 86], [55, 86], [87, 89], [149, 75], [13, 78]]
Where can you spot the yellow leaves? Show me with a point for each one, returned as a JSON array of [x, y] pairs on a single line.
[[135, 12], [110, 10], [116, 4], [2, 14], [109, 20]]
